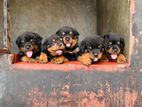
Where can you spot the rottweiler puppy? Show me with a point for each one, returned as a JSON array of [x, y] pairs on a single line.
[[70, 40], [114, 48], [91, 50], [29, 44], [52, 50]]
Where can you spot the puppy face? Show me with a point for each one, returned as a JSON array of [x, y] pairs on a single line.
[[29, 43], [54, 45], [69, 36], [113, 44], [93, 45]]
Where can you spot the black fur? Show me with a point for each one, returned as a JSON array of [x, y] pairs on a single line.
[[92, 44], [68, 51], [117, 43], [29, 38], [49, 43], [67, 29]]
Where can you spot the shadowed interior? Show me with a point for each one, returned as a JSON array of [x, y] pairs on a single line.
[[87, 16], [1, 22]]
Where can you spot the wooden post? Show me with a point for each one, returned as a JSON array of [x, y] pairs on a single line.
[[6, 33]]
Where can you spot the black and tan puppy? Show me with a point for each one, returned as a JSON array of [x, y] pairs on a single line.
[[114, 47], [91, 50], [70, 39], [52, 50], [29, 45]]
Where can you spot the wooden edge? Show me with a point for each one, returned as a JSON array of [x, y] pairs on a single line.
[[68, 66]]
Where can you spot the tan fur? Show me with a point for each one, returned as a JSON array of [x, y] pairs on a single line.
[[27, 59], [43, 58], [59, 60], [121, 59], [86, 58], [54, 48]]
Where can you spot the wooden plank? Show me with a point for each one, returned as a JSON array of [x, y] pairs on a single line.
[[6, 33]]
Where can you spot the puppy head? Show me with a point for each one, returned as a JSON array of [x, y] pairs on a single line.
[[69, 35], [29, 43], [93, 45], [113, 44], [54, 45]]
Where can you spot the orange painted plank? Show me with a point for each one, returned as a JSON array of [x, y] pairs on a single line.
[[72, 66]]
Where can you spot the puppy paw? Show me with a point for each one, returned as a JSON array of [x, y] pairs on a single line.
[[59, 60], [43, 58], [27, 59], [86, 58], [121, 59], [31, 60]]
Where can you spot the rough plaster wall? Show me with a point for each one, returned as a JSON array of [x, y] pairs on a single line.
[[18, 83], [1, 22], [137, 32], [46, 16], [114, 16]]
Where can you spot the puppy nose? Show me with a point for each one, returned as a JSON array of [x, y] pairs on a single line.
[[28, 46], [60, 44], [67, 38], [115, 49], [95, 54]]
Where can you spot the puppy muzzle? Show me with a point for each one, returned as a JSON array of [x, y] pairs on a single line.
[[97, 55], [68, 41], [116, 49], [28, 46]]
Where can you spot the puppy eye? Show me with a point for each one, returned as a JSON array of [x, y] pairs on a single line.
[[32, 40], [86, 50], [53, 40], [70, 33], [63, 33], [61, 39], [47, 46], [118, 43], [90, 47], [22, 41], [110, 43], [99, 46]]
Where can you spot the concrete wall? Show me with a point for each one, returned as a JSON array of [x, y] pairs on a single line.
[[1, 22], [114, 16], [46, 16], [32, 88]]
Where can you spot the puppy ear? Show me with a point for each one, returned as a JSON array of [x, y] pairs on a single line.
[[18, 41], [76, 33], [58, 32], [106, 36], [38, 38]]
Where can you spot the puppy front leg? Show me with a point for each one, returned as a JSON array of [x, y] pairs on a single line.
[[121, 59], [59, 60], [26, 59], [85, 58], [43, 58]]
